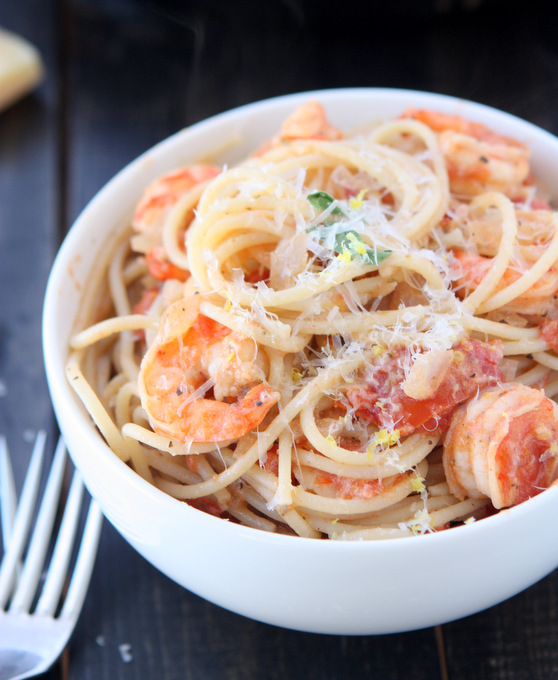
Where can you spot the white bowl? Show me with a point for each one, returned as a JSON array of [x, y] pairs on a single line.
[[310, 585]]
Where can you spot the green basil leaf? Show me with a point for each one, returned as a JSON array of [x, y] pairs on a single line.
[[375, 256], [350, 242], [321, 200]]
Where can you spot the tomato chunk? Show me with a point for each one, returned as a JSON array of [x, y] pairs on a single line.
[[379, 396]]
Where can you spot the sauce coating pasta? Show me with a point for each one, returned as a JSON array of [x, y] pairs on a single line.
[[346, 335]]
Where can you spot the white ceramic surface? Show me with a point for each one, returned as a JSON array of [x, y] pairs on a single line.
[[315, 586]]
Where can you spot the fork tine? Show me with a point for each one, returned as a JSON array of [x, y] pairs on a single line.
[[58, 567], [23, 516], [8, 497], [32, 566], [84, 563]]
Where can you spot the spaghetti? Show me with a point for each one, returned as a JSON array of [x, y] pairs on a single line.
[[343, 336]]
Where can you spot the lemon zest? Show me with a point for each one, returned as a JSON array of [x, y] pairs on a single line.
[[423, 522], [296, 375], [417, 484], [357, 243], [356, 201], [383, 438]]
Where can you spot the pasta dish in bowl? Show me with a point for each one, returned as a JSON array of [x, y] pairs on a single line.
[[333, 342]]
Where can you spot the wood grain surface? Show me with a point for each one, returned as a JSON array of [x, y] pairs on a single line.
[[121, 76]]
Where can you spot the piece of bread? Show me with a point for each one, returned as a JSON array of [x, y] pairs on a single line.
[[21, 68]]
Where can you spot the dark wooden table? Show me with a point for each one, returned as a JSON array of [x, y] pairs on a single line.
[[124, 74]]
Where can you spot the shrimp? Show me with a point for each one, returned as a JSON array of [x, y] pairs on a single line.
[[478, 227], [477, 158], [440, 122], [539, 300], [191, 355], [154, 207], [308, 121], [502, 445], [535, 229]]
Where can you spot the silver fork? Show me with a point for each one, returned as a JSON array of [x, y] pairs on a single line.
[[32, 636]]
